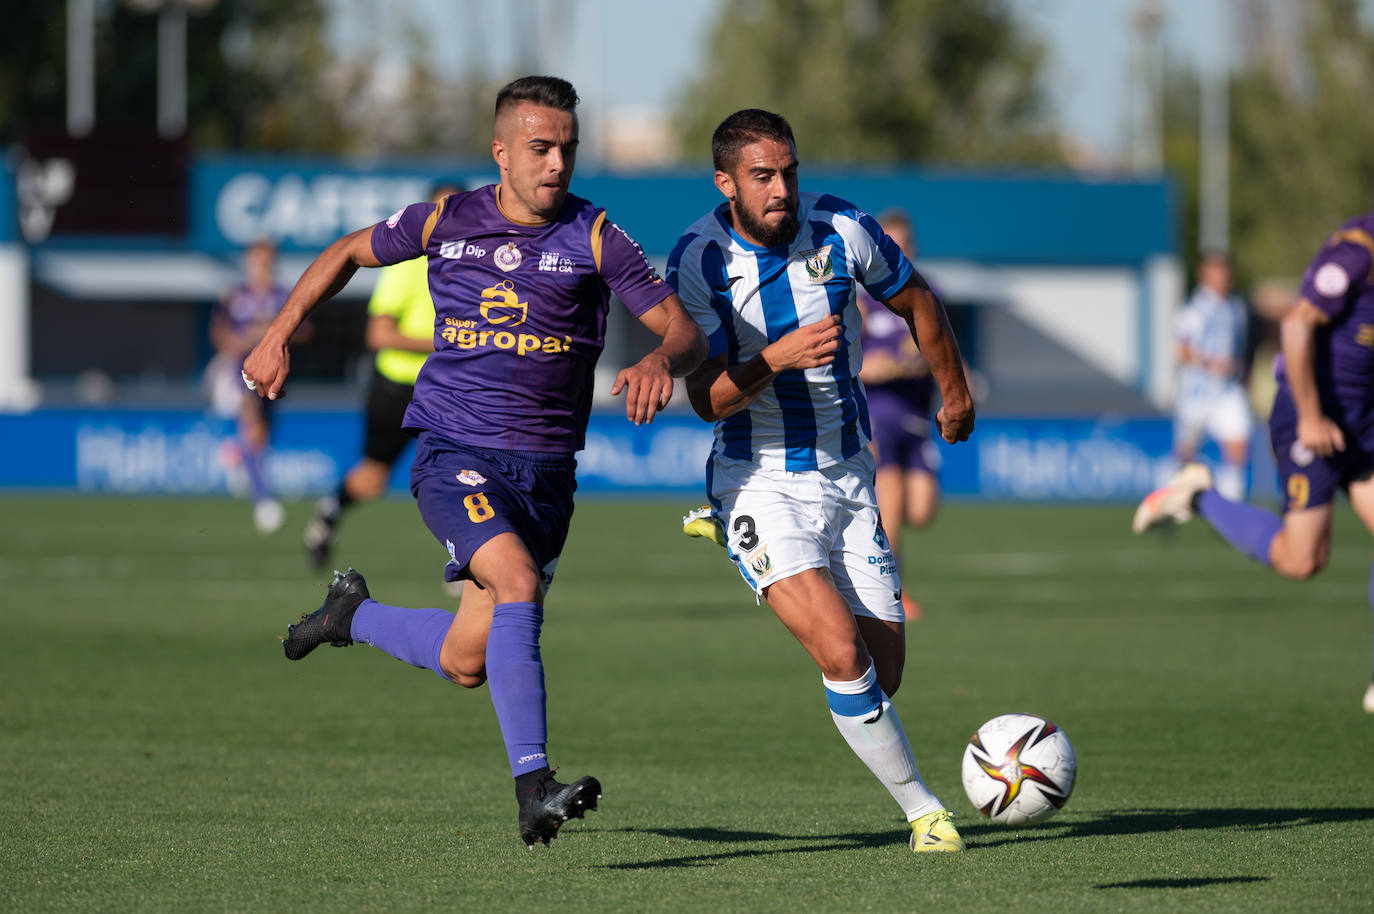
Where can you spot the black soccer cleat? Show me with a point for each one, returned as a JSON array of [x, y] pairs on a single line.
[[332, 623], [547, 804]]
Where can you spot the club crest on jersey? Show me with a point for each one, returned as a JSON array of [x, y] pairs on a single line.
[[471, 478], [818, 265], [501, 296], [507, 256], [760, 561]]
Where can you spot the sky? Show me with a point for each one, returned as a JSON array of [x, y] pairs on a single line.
[[641, 53]]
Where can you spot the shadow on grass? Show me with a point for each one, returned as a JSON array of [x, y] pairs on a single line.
[[979, 837], [1181, 883], [810, 844], [1147, 821]]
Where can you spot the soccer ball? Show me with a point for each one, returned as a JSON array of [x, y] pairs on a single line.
[[1019, 769]]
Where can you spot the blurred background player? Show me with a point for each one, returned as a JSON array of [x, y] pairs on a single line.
[[901, 397], [790, 476], [240, 318], [1211, 332], [400, 329], [1321, 428]]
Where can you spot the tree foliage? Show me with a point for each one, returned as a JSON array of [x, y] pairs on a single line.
[[1303, 153], [876, 81], [1301, 141], [261, 75]]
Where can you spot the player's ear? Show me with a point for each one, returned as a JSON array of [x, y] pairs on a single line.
[[726, 185], [498, 152]]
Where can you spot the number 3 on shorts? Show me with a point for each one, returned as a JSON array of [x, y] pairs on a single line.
[[479, 509]]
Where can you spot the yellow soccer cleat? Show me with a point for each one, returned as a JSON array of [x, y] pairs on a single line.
[[935, 832], [699, 522]]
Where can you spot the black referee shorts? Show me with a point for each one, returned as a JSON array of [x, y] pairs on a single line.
[[386, 408]]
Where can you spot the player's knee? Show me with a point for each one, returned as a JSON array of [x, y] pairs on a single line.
[[468, 680], [467, 675], [367, 480], [843, 662], [517, 585], [367, 487], [466, 669], [920, 516], [1300, 568]]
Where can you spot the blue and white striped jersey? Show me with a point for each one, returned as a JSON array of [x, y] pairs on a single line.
[[1214, 328], [745, 297]]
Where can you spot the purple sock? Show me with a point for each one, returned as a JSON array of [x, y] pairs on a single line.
[[412, 635], [257, 480], [515, 675], [1249, 529]]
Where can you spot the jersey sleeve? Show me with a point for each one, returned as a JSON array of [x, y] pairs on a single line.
[[1185, 324], [687, 274], [626, 270], [878, 264], [1337, 275], [403, 236]]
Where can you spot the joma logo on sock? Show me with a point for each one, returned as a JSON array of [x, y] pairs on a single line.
[[529, 758]]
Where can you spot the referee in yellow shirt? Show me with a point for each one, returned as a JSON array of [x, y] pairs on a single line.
[[400, 328]]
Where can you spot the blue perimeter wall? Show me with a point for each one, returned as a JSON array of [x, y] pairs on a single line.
[[181, 452], [1007, 217]]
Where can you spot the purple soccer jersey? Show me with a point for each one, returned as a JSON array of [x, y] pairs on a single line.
[[899, 410], [886, 333], [1340, 282], [249, 311], [520, 316]]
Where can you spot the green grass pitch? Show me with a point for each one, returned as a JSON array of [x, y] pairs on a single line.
[[157, 753]]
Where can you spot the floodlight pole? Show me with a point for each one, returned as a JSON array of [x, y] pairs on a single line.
[[80, 67], [171, 71], [1147, 122], [1214, 129]]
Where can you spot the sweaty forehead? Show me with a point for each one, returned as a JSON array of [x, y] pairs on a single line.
[[766, 154], [527, 121]]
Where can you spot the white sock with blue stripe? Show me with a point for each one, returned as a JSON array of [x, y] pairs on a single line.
[[868, 722]]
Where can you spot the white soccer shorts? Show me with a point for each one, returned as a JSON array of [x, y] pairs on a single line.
[[778, 523], [1224, 418]]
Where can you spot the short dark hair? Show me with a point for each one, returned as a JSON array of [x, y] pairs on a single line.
[[745, 127], [546, 91]]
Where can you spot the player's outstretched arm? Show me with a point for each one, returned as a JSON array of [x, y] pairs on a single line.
[[718, 389], [930, 328], [1297, 340], [648, 384], [266, 367]]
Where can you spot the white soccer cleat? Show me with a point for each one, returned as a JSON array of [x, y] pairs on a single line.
[[268, 516], [1173, 502], [1369, 699]]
